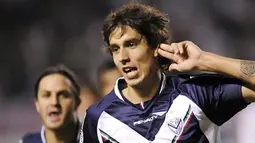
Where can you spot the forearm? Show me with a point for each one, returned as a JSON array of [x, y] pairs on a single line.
[[241, 69]]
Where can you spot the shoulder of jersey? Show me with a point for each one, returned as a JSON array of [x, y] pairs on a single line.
[[31, 138], [98, 108]]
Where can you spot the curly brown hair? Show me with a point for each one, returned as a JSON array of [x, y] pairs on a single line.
[[150, 22]]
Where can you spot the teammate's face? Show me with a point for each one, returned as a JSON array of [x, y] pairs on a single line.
[[55, 102], [133, 56]]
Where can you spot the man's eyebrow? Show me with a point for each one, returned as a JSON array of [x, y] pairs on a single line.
[[113, 45], [63, 91], [44, 90], [127, 40], [134, 40]]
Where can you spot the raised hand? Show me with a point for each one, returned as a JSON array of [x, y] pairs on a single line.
[[185, 55]]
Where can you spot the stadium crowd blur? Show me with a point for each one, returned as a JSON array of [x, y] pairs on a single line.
[[35, 34]]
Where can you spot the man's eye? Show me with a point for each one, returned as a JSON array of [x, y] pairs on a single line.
[[65, 94], [46, 95], [131, 44], [114, 49]]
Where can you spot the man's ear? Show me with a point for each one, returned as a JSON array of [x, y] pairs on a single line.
[[37, 105]]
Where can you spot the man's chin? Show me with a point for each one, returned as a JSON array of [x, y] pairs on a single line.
[[133, 82], [54, 126]]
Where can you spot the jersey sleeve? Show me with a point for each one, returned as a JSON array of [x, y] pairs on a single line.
[[89, 129], [219, 97], [31, 138]]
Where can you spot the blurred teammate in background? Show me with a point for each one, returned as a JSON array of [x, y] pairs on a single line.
[[57, 96], [108, 74], [148, 106], [89, 95]]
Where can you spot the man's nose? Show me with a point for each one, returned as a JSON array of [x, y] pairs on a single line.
[[124, 56], [54, 99]]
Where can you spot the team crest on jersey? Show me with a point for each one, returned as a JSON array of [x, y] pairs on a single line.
[[175, 125]]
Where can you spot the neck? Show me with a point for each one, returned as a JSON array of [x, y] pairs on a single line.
[[66, 134], [145, 91]]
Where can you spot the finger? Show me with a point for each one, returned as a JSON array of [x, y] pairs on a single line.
[[167, 55], [185, 44], [166, 47], [175, 48], [180, 48], [174, 66]]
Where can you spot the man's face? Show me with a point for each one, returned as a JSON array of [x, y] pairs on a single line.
[[133, 56], [55, 102]]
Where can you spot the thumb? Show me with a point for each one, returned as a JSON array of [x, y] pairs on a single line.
[[174, 66]]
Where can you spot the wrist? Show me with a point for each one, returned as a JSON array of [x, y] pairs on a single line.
[[206, 62]]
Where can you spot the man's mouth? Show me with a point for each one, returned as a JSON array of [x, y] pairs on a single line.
[[131, 72], [54, 115], [129, 69]]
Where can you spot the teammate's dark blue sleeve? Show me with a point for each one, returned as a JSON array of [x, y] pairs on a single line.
[[31, 138], [219, 97], [89, 129]]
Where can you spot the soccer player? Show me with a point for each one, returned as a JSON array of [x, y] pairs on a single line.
[[56, 100], [108, 74], [146, 105], [89, 95]]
